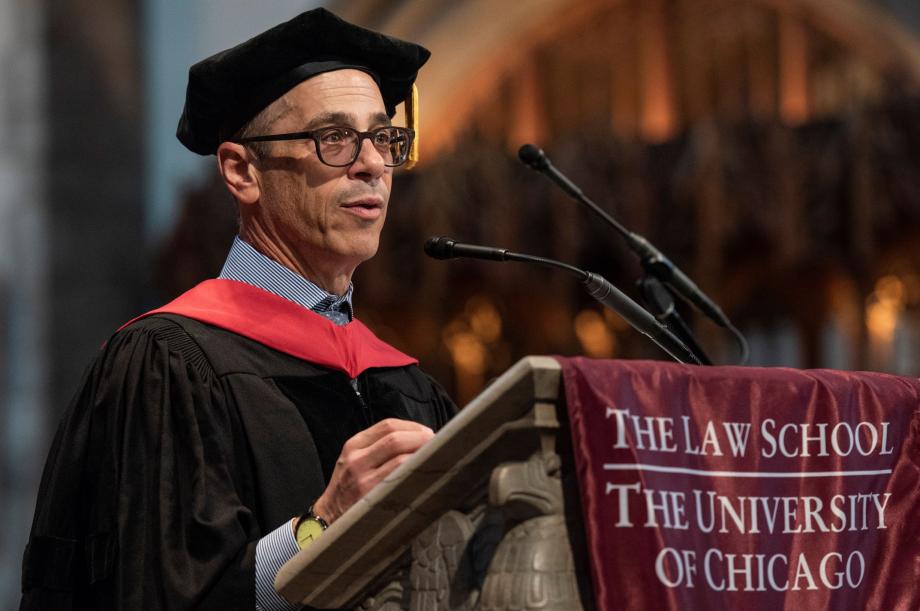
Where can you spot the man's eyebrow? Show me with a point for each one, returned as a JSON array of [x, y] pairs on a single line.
[[330, 118], [344, 118]]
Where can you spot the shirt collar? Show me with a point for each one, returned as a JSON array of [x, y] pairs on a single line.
[[246, 264]]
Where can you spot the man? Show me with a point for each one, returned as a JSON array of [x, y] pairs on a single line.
[[215, 437]]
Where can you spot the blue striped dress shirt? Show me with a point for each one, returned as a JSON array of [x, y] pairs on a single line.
[[246, 264]]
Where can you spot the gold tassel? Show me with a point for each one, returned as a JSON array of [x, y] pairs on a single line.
[[411, 109]]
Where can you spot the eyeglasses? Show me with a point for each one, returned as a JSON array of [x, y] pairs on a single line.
[[340, 146]]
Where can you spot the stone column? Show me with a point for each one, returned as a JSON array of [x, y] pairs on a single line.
[[71, 220], [23, 279], [95, 191]]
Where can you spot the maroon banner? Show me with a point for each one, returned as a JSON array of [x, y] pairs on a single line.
[[746, 488]]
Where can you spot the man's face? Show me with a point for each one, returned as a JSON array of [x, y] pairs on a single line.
[[326, 216]]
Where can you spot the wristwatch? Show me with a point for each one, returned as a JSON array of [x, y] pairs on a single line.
[[309, 527]]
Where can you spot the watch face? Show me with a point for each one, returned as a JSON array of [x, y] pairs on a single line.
[[308, 530]]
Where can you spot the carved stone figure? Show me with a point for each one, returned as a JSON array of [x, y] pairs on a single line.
[[513, 553]]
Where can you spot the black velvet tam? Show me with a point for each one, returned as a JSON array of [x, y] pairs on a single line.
[[226, 90]]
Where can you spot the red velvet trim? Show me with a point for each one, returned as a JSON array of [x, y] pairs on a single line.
[[284, 326]]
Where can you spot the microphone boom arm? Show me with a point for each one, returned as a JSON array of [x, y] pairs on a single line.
[[653, 261], [596, 285]]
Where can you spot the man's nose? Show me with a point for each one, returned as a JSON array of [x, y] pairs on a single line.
[[369, 162]]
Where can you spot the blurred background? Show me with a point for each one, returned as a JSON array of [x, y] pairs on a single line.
[[770, 147]]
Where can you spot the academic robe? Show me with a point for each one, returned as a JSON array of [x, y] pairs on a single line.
[[188, 442]]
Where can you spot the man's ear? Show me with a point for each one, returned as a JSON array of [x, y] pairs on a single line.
[[240, 175]]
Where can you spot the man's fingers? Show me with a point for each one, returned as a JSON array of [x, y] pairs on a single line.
[[375, 476], [372, 434], [380, 473], [391, 445], [366, 459]]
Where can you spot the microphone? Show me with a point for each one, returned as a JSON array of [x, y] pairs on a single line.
[[652, 259], [597, 286], [445, 248], [537, 160], [533, 156]]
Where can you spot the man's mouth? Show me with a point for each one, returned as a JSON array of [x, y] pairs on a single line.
[[369, 208]]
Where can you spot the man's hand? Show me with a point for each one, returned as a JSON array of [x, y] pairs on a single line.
[[366, 459]]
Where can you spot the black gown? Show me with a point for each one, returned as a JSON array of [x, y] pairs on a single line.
[[185, 445]]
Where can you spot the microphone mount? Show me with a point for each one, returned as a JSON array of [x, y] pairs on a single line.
[[653, 261]]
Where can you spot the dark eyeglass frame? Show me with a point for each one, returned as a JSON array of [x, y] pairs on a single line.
[[316, 135]]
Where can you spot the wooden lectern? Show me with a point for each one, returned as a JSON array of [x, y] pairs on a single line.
[[484, 517]]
